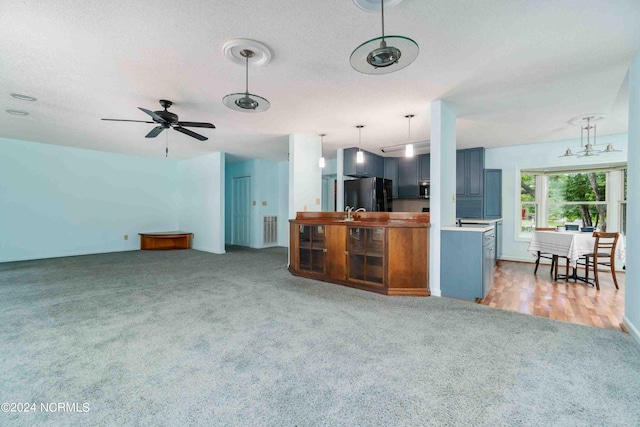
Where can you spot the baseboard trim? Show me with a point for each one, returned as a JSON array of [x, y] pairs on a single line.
[[631, 329], [67, 255]]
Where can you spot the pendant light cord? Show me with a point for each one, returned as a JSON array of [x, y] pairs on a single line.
[[409, 130], [382, 5], [246, 58]]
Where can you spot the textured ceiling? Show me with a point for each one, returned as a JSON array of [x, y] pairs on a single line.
[[515, 70]]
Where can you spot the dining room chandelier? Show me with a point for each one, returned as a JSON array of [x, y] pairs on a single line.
[[589, 146]]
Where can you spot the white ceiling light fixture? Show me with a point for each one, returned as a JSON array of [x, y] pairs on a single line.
[[322, 162], [589, 147], [409, 148], [360, 153], [382, 55], [259, 54], [23, 97]]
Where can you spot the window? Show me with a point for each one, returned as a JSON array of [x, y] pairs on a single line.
[[588, 198], [578, 198], [528, 203]]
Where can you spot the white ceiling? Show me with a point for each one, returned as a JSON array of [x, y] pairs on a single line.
[[515, 70]]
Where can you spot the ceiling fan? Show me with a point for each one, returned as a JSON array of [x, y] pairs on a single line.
[[166, 120]]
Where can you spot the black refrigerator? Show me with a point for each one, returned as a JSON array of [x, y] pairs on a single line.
[[373, 194]]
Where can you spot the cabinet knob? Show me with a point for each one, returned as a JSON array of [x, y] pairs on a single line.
[[324, 250], [346, 252]]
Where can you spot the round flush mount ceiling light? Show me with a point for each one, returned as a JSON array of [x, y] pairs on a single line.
[[384, 54], [23, 97], [374, 5], [17, 112]]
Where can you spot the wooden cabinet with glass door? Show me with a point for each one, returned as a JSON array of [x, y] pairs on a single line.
[[379, 252], [366, 255]]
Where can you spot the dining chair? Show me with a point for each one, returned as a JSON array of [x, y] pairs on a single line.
[[604, 253], [553, 258]]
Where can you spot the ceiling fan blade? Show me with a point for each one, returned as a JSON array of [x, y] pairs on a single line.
[[156, 117], [196, 125], [191, 134], [155, 132], [123, 120]]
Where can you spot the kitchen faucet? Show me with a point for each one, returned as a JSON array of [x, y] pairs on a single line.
[[348, 209]]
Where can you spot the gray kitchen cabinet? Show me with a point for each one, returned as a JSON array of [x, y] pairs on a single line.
[[408, 177], [492, 193], [470, 183], [499, 235], [467, 263], [373, 165], [391, 172], [424, 164]]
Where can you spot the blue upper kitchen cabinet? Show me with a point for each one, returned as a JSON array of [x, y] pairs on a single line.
[[470, 183], [373, 165], [408, 177], [493, 193], [391, 172], [424, 163]]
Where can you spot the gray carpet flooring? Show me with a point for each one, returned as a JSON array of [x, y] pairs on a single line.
[[191, 338]]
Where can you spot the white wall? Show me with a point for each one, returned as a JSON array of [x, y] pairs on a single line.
[[530, 156], [202, 190], [62, 201], [632, 291]]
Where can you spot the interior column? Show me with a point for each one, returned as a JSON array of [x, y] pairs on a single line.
[[305, 176], [632, 291], [443, 188]]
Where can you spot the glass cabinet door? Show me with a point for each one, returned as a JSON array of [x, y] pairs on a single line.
[[312, 248], [366, 254]]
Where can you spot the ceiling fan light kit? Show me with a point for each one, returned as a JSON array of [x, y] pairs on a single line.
[[167, 120], [385, 54], [259, 54]]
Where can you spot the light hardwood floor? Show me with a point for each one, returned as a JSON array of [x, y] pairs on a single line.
[[517, 289]]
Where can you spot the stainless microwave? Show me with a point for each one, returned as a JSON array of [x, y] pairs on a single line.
[[425, 189]]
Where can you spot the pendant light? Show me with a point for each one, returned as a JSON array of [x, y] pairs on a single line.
[[360, 153], [588, 149], [246, 102], [385, 54], [409, 148], [322, 162]]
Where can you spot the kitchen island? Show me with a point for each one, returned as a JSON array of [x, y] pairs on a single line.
[[383, 252]]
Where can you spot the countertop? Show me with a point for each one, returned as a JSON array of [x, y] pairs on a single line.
[[478, 228], [364, 219], [478, 220]]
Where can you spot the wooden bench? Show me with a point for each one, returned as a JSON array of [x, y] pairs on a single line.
[[165, 240]]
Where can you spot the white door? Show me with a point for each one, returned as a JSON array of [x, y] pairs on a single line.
[[241, 215]]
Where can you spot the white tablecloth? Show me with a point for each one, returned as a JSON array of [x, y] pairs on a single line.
[[570, 244]]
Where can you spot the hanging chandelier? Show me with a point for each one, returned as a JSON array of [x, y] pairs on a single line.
[[588, 146], [385, 54]]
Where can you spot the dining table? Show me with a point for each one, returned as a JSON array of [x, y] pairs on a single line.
[[570, 244]]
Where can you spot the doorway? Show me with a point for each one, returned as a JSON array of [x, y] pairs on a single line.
[[241, 212]]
